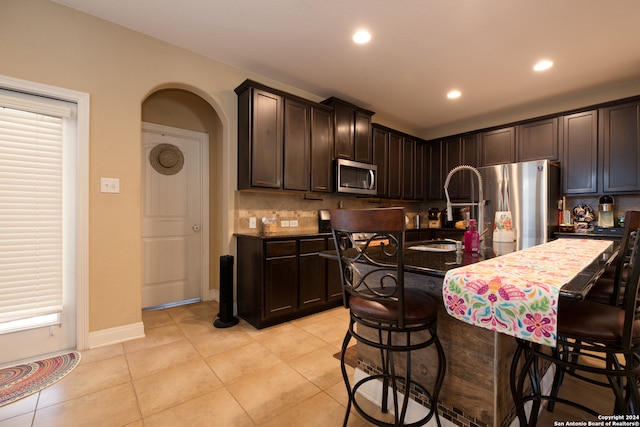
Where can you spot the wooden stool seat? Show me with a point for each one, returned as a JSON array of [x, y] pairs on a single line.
[[419, 306]]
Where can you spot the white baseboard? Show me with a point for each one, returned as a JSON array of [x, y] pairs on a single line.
[[214, 295], [116, 335]]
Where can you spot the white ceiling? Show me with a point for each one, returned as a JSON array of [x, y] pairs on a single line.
[[420, 49]]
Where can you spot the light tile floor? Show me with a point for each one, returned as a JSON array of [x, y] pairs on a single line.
[[185, 372]]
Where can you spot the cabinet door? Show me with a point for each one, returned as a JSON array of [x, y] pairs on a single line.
[[538, 140], [435, 189], [381, 159], [452, 155], [281, 285], [395, 165], [408, 171], [470, 156], [297, 136], [362, 137], [460, 151], [344, 130], [499, 146], [312, 273], [321, 150], [420, 170], [621, 148], [580, 153], [266, 140]]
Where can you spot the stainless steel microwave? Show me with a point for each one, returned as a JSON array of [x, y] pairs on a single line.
[[356, 177]]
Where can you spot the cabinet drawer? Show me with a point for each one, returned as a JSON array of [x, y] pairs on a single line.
[[312, 245], [285, 247]]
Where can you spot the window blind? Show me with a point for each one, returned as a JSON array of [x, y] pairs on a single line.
[[31, 210]]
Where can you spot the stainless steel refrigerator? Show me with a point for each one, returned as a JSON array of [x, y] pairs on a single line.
[[529, 192]]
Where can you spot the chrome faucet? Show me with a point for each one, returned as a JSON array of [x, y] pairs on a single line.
[[480, 202]]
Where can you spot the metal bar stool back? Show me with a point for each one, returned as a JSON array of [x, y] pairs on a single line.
[[384, 314]]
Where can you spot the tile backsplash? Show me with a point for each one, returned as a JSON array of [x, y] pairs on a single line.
[[288, 207], [301, 209]]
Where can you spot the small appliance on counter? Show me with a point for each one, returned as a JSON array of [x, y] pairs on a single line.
[[605, 212], [435, 218], [324, 221]]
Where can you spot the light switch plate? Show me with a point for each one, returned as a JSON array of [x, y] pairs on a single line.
[[293, 223], [252, 222], [109, 185]]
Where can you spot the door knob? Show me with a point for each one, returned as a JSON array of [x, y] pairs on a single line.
[[196, 227]]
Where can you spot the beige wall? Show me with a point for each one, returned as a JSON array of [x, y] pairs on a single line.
[[46, 43]]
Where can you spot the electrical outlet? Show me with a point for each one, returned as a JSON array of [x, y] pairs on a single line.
[[284, 224], [252, 222], [293, 223], [109, 185]]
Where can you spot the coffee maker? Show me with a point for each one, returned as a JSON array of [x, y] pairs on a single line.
[[435, 218], [605, 212]]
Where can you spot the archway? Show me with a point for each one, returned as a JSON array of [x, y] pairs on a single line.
[[183, 109]]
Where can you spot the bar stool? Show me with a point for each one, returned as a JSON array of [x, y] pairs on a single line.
[[370, 245], [589, 332]]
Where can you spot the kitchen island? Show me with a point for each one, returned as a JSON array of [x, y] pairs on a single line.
[[476, 388]]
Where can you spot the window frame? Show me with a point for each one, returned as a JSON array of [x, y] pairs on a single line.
[[82, 100]]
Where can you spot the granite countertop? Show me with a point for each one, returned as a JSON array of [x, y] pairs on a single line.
[[438, 263], [432, 263]]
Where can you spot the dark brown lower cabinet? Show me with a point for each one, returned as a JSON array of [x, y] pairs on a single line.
[[312, 273], [283, 278]]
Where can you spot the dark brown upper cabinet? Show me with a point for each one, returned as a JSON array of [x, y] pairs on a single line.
[[260, 129], [621, 148], [580, 153], [408, 167], [499, 146], [435, 182], [538, 140], [352, 131], [284, 141], [321, 149], [462, 150], [395, 166], [420, 171], [297, 144], [381, 158]]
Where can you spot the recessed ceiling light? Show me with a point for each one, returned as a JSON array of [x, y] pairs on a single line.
[[362, 37], [454, 94], [543, 65]]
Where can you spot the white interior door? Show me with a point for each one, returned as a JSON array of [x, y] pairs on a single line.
[[172, 219]]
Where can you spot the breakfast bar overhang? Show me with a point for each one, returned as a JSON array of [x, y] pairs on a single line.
[[476, 388]]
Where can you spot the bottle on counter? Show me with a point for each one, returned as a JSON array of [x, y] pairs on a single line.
[[471, 238]]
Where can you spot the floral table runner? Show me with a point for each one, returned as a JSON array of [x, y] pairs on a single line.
[[517, 293]]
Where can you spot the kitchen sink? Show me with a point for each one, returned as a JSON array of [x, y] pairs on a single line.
[[435, 246]]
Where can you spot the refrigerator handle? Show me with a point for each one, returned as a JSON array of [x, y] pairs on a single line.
[[507, 188]]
